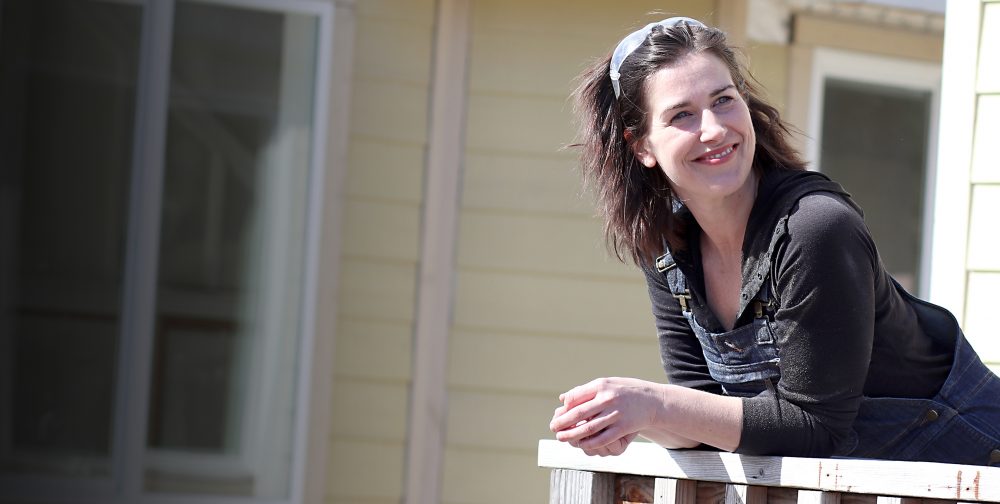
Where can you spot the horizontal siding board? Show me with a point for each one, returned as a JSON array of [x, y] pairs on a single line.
[[365, 470], [394, 111], [384, 170], [504, 422], [510, 63], [366, 410], [867, 38], [552, 304], [393, 49], [373, 349], [989, 50], [382, 230], [472, 476], [416, 12], [981, 314], [552, 185], [985, 163], [377, 289], [532, 243], [513, 122], [984, 231], [601, 20], [542, 365]]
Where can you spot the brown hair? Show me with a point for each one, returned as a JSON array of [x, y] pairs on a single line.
[[636, 202]]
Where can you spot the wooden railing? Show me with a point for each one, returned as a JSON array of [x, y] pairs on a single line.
[[647, 473]]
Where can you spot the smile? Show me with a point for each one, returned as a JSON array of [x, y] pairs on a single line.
[[718, 155]]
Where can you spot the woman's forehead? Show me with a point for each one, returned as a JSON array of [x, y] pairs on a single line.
[[690, 76]]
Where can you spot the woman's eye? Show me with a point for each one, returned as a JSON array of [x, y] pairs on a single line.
[[680, 115], [724, 100]]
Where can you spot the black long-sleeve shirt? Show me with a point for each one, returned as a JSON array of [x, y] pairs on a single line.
[[842, 329]]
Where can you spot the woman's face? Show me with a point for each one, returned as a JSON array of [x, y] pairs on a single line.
[[700, 133]]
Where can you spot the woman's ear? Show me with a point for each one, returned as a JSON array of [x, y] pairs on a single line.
[[641, 150]]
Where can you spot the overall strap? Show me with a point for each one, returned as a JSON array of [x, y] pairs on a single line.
[[763, 304], [676, 280]]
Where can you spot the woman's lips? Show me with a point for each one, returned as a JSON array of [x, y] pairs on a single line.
[[718, 155]]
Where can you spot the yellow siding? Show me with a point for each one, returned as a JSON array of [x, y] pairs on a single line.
[[527, 183], [980, 316], [989, 50], [539, 305], [861, 37], [985, 167], [983, 262], [383, 194], [769, 65], [984, 233]]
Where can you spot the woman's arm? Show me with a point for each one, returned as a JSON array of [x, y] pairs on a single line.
[[605, 410], [824, 275]]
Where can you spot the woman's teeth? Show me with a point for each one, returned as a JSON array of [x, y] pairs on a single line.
[[721, 154]]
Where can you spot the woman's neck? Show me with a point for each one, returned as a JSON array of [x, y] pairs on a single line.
[[723, 222]]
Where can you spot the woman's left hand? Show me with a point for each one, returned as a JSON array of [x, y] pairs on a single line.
[[607, 413]]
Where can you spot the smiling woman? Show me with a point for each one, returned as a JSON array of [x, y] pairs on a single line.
[[780, 330]]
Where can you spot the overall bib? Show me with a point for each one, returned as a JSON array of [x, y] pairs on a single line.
[[960, 424]]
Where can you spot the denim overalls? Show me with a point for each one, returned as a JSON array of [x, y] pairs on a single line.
[[961, 424]]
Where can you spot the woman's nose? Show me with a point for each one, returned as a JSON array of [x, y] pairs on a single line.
[[711, 129]]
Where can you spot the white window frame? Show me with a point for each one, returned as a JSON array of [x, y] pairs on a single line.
[[129, 455], [885, 71]]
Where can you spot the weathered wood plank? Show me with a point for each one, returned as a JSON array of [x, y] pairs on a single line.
[[745, 494], [925, 480], [897, 500], [631, 489], [854, 498], [818, 497], [783, 495], [674, 491], [710, 492], [581, 487]]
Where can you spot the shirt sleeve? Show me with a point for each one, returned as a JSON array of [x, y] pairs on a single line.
[[680, 351], [824, 279]]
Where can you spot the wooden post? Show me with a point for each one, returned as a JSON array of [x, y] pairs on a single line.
[[897, 500], [581, 487], [674, 491], [745, 494], [818, 497]]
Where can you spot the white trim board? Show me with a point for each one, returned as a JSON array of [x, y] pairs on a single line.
[[428, 411], [948, 275]]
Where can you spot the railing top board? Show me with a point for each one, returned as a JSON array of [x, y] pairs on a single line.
[[880, 477]]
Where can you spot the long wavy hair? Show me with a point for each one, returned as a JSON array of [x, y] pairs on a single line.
[[635, 202]]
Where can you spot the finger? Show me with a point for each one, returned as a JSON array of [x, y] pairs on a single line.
[[574, 417], [615, 448], [589, 428], [603, 437], [580, 394], [559, 411]]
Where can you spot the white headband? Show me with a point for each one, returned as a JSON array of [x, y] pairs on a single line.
[[634, 40]]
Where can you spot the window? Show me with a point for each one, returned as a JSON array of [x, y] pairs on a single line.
[[873, 129], [159, 203]]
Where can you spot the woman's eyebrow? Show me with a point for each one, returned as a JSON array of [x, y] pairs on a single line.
[[713, 94]]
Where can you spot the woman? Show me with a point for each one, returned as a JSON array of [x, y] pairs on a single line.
[[780, 330]]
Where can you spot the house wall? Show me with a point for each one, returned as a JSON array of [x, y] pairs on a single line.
[[539, 306], [813, 31], [983, 259], [382, 198]]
